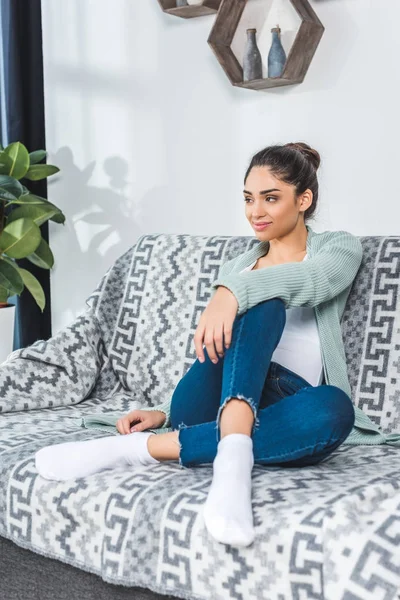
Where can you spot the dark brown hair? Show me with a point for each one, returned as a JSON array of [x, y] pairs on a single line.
[[295, 163]]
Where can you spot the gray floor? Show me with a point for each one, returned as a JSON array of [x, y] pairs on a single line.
[[25, 575]]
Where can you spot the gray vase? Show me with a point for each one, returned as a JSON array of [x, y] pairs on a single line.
[[252, 64], [181, 3], [276, 56]]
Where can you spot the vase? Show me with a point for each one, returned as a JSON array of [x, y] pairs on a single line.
[[276, 55], [252, 63], [180, 3], [7, 312]]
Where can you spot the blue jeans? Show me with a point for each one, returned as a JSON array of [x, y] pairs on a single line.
[[295, 424]]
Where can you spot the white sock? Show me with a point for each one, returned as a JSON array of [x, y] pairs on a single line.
[[227, 511], [72, 460]]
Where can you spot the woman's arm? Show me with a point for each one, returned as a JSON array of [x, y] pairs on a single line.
[[165, 408], [308, 283]]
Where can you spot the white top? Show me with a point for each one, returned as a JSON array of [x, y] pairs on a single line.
[[299, 348]]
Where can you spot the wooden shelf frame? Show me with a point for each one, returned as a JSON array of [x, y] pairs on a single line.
[[297, 61], [209, 7]]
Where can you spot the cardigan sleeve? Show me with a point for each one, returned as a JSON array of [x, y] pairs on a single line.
[[308, 283], [225, 269]]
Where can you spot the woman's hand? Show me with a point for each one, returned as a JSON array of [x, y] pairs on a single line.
[[215, 325], [139, 420]]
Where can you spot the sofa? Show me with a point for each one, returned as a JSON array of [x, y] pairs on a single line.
[[329, 531]]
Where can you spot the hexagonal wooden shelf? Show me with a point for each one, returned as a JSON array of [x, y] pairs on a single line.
[[208, 7], [297, 61]]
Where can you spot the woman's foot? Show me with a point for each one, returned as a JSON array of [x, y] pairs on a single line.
[[72, 460], [227, 511]]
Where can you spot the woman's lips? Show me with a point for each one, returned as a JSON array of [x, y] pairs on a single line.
[[261, 226]]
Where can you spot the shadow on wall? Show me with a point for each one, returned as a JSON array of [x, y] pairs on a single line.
[[99, 222]]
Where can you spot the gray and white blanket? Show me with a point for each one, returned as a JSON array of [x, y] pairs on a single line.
[[331, 531]]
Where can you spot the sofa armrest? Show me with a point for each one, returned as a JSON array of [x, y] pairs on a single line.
[[58, 372]]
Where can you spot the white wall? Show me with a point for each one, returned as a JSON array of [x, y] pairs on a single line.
[[151, 137]]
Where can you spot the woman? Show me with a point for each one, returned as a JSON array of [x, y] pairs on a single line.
[[258, 391]]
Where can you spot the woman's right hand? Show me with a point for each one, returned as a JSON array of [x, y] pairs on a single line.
[[139, 420]]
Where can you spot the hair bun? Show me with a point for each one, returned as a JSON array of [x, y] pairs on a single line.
[[309, 153]]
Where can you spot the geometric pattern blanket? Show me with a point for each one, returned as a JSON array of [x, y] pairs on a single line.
[[329, 531]]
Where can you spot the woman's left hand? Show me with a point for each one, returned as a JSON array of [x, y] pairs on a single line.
[[215, 324]]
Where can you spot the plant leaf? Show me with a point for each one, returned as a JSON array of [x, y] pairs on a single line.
[[5, 164], [37, 156], [28, 199], [20, 238], [34, 287], [10, 188], [59, 217], [43, 256], [33, 200], [36, 172], [20, 159], [10, 278], [38, 213], [4, 294]]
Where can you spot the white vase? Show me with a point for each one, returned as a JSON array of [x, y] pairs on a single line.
[[7, 314]]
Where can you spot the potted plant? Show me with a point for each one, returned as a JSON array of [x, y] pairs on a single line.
[[21, 214]]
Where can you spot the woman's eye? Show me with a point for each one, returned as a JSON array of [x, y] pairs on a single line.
[[267, 197]]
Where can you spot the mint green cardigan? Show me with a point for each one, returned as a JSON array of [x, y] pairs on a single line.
[[324, 282]]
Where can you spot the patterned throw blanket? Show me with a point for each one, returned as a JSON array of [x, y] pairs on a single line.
[[327, 531]]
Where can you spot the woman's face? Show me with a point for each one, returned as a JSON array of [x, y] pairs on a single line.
[[268, 199]]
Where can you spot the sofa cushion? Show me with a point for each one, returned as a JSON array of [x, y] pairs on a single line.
[[328, 531]]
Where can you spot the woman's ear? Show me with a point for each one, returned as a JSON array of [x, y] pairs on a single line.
[[306, 200]]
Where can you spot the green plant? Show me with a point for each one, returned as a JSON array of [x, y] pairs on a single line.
[[20, 234]]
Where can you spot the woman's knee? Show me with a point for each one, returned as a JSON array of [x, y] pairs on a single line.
[[273, 307], [276, 304], [338, 408]]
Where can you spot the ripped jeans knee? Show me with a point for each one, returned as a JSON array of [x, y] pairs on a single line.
[[249, 401], [180, 426]]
